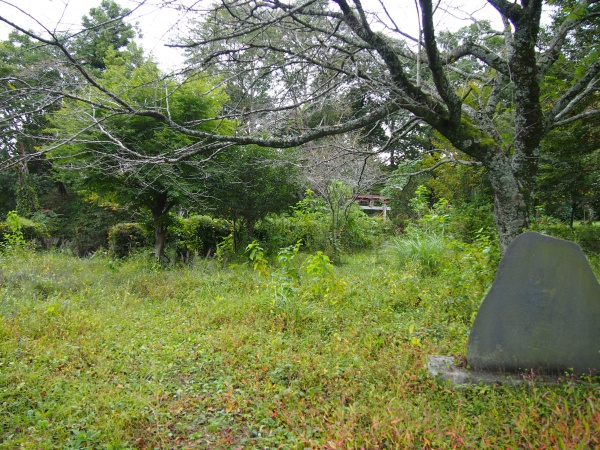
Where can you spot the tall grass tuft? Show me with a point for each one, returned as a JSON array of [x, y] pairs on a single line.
[[424, 249]]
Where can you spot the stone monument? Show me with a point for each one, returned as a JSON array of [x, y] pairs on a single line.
[[542, 313]]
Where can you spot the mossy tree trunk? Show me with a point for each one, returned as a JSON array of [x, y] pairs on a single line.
[[511, 212]]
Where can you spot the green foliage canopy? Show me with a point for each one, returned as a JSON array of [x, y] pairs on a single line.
[[128, 158]]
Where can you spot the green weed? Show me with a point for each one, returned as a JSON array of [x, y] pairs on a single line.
[[427, 250], [131, 354]]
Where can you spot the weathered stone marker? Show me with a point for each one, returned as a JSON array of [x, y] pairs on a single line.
[[542, 313]]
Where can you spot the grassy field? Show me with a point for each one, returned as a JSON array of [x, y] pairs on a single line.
[[102, 354]]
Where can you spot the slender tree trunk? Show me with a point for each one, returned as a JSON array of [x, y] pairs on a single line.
[[574, 206], [235, 236], [159, 210], [160, 237]]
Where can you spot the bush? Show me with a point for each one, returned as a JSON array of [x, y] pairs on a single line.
[[587, 236], [124, 238], [198, 235], [16, 229], [468, 219], [361, 231], [276, 231], [310, 222]]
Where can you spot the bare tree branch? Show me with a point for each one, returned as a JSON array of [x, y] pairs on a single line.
[[582, 87], [472, 49], [442, 84], [450, 159]]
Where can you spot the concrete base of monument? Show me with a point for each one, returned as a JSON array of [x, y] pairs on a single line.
[[446, 369]]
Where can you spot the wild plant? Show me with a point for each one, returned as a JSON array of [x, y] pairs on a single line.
[[14, 239], [226, 249], [256, 254], [321, 279]]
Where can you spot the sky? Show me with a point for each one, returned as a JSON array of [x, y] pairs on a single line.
[[158, 25]]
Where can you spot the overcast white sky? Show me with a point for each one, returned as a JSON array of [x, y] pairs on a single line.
[[158, 25]]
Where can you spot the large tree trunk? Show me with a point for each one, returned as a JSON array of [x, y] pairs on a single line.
[[510, 209]]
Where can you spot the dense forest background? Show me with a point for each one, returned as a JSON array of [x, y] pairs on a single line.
[[266, 136]]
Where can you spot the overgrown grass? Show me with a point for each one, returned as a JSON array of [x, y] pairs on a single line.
[[100, 354], [424, 249]]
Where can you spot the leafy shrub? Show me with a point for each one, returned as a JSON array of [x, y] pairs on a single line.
[[275, 231], [198, 235], [288, 267], [587, 236], [31, 230], [420, 201], [468, 219], [226, 249], [124, 238], [310, 222], [17, 230], [313, 279], [311, 228], [361, 231], [321, 280], [256, 255]]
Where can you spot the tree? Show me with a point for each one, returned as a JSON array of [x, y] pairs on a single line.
[[338, 171], [33, 79], [249, 182], [104, 31], [495, 112], [248, 89], [29, 80], [570, 171], [122, 157], [569, 161]]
